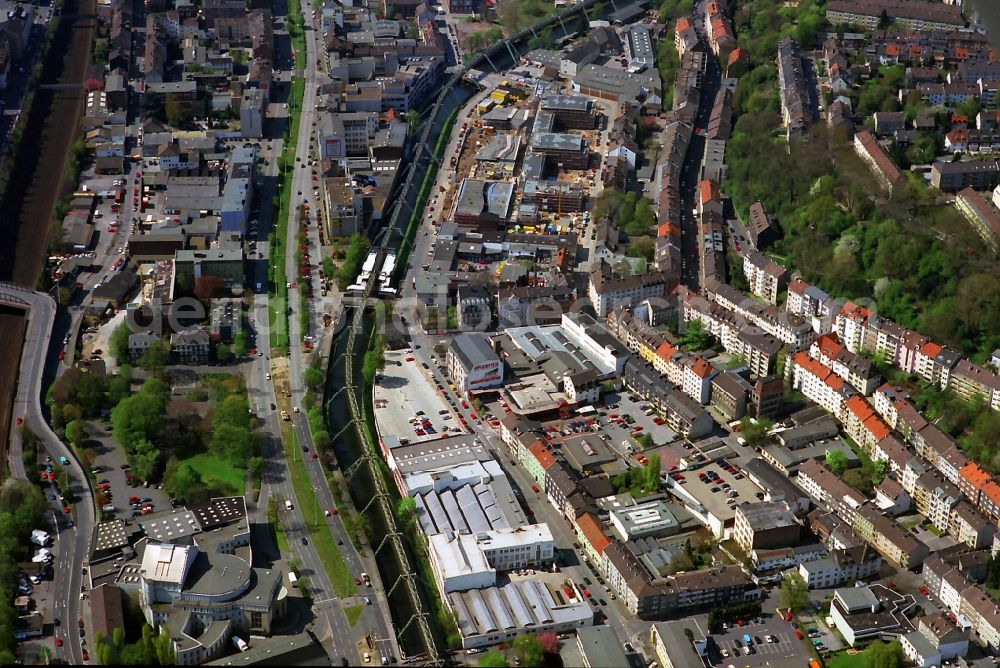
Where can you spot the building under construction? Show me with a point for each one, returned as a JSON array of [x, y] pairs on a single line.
[[554, 197]]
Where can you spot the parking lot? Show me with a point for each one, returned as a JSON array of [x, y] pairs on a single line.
[[625, 405], [403, 393], [719, 489], [108, 461], [784, 650]]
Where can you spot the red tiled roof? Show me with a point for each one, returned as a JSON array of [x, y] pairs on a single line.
[[892, 49], [736, 56], [542, 453], [709, 190], [682, 24], [828, 345], [992, 492], [815, 367], [665, 351], [852, 310], [834, 381], [859, 407], [668, 230], [701, 368], [593, 532], [974, 475], [958, 136], [877, 428], [930, 349], [798, 286]]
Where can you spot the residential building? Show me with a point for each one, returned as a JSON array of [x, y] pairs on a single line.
[[819, 384], [956, 176], [673, 645], [875, 156], [843, 566], [892, 541], [608, 292], [767, 279], [191, 346], [907, 14], [796, 110], [829, 491]]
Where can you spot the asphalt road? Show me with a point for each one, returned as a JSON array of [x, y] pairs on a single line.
[[326, 605], [72, 545]]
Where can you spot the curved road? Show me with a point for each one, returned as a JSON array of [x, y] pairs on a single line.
[[72, 542]]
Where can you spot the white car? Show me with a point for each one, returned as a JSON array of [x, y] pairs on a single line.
[[267, 376]]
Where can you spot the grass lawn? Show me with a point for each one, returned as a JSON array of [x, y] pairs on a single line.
[[353, 613], [210, 466], [336, 569], [279, 299], [845, 660], [279, 531], [296, 32]]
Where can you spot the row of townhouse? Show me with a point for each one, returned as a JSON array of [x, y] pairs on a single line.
[[930, 474], [737, 335], [855, 369], [940, 451], [792, 330], [819, 383], [881, 532], [690, 372], [863, 332], [653, 597], [952, 585], [807, 301]]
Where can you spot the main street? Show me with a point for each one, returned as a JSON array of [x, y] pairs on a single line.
[[73, 539], [375, 618]]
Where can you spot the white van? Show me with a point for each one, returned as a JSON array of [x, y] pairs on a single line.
[[288, 505]]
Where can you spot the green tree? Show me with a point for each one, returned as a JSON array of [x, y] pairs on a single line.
[[184, 482], [885, 654], [651, 473], [374, 361], [240, 344], [794, 593], [836, 461], [493, 659], [529, 650], [406, 510], [156, 357], [312, 377], [412, 118], [756, 432], [118, 343], [75, 433], [695, 337]]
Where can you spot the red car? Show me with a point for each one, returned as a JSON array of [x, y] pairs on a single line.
[[66, 510], [86, 657], [534, 488], [58, 641], [586, 592], [314, 455], [333, 510], [465, 404], [133, 499], [79, 622]]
